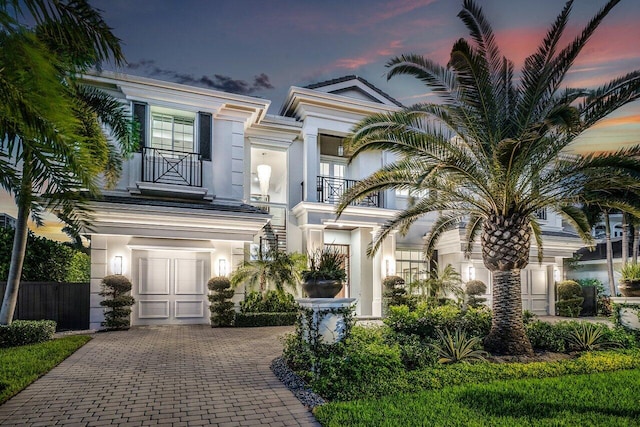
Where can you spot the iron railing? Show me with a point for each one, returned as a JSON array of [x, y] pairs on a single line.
[[171, 167], [330, 190]]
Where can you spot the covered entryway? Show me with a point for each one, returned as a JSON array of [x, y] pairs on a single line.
[[170, 287]]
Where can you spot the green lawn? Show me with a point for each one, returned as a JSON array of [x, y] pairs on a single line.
[[603, 399], [20, 366]]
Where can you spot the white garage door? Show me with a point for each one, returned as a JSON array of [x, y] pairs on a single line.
[[170, 287], [535, 290]]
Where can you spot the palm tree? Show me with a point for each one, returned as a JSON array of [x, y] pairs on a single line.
[[490, 154], [54, 149], [271, 269]]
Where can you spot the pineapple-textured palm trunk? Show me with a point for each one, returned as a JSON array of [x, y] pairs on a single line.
[[505, 250]]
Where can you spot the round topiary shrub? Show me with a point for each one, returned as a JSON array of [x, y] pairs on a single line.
[[394, 293], [474, 288], [117, 303], [222, 312], [570, 298]]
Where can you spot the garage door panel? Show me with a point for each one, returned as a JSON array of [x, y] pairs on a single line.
[[153, 309], [189, 279], [154, 276], [187, 309]]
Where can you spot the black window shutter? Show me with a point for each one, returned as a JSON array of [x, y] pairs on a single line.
[[204, 120], [140, 116]]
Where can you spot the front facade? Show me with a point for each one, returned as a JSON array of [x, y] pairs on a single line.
[[213, 169]]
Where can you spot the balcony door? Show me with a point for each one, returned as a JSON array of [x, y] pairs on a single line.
[[331, 182]]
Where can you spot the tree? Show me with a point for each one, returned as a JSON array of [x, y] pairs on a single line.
[[491, 154], [54, 149], [271, 269]]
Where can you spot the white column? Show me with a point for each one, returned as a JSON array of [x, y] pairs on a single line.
[[385, 257], [312, 237], [99, 269], [310, 166]]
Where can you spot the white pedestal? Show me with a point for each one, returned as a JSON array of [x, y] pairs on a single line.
[[629, 315], [326, 326]]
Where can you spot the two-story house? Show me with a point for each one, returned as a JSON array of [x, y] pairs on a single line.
[[213, 169]]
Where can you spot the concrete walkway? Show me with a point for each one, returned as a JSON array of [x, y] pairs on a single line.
[[168, 376]]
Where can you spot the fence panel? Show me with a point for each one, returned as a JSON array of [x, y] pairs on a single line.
[[66, 303]]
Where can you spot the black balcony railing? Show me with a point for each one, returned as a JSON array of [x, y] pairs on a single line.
[[331, 189], [171, 167]]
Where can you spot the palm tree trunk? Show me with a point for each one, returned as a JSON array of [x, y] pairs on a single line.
[[625, 238], [507, 334], [607, 237], [505, 250], [15, 268]]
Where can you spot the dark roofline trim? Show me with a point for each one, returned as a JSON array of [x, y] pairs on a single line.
[[354, 77], [206, 206]]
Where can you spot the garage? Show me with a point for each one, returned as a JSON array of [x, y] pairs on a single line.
[[170, 287]]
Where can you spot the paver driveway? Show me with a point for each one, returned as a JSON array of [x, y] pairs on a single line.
[[167, 375]]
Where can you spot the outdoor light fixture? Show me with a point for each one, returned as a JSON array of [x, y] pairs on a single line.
[[117, 264], [556, 274], [264, 175], [222, 267], [340, 150], [472, 272]]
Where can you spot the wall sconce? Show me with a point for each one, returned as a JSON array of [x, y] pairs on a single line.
[[556, 275], [264, 175], [117, 264], [472, 272], [222, 267]]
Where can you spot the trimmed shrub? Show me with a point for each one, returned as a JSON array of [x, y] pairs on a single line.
[[426, 320], [118, 303], [560, 337], [394, 293], [272, 301], [264, 319], [221, 308], [570, 298], [473, 290], [23, 332]]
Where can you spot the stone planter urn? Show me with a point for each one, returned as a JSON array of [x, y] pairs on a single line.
[[319, 288], [630, 287]]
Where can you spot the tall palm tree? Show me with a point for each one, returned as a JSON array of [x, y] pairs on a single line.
[[490, 153], [53, 147]]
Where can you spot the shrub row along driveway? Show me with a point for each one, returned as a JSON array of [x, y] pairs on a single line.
[[169, 375]]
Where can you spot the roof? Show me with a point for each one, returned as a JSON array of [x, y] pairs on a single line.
[[186, 204], [354, 77]]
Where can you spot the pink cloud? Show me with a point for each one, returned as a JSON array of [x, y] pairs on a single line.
[[375, 54]]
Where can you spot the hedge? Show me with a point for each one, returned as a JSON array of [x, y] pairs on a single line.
[[265, 319], [23, 332]]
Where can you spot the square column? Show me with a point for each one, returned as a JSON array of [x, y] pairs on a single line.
[[310, 166]]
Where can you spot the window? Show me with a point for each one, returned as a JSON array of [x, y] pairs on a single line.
[[411, 265], [413, 193], [172, 132], [332, 169]]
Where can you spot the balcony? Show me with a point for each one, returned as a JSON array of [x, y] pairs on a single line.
[[171, 167], [331, 189]]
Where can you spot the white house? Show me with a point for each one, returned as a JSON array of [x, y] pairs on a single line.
[[214, 169]]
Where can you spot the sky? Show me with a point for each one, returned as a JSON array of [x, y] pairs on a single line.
[[262, 47]]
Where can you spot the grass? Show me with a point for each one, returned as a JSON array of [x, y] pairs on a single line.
[[602, 399], [20, 366]]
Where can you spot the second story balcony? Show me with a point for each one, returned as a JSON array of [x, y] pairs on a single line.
[[330, 189], [171, 167]]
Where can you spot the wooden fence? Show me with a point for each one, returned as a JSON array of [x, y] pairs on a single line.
[[66, 303]]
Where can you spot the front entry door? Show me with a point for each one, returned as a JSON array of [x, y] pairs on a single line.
[[170, 287]]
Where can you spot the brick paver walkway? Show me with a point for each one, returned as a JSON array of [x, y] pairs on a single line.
[[168, 376]]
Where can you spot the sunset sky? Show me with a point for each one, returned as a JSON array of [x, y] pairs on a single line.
[[262, 47]]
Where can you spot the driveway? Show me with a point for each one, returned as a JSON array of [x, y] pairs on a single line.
[[164, 375]]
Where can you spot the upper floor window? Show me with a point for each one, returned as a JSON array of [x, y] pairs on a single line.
[[172, 131]]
